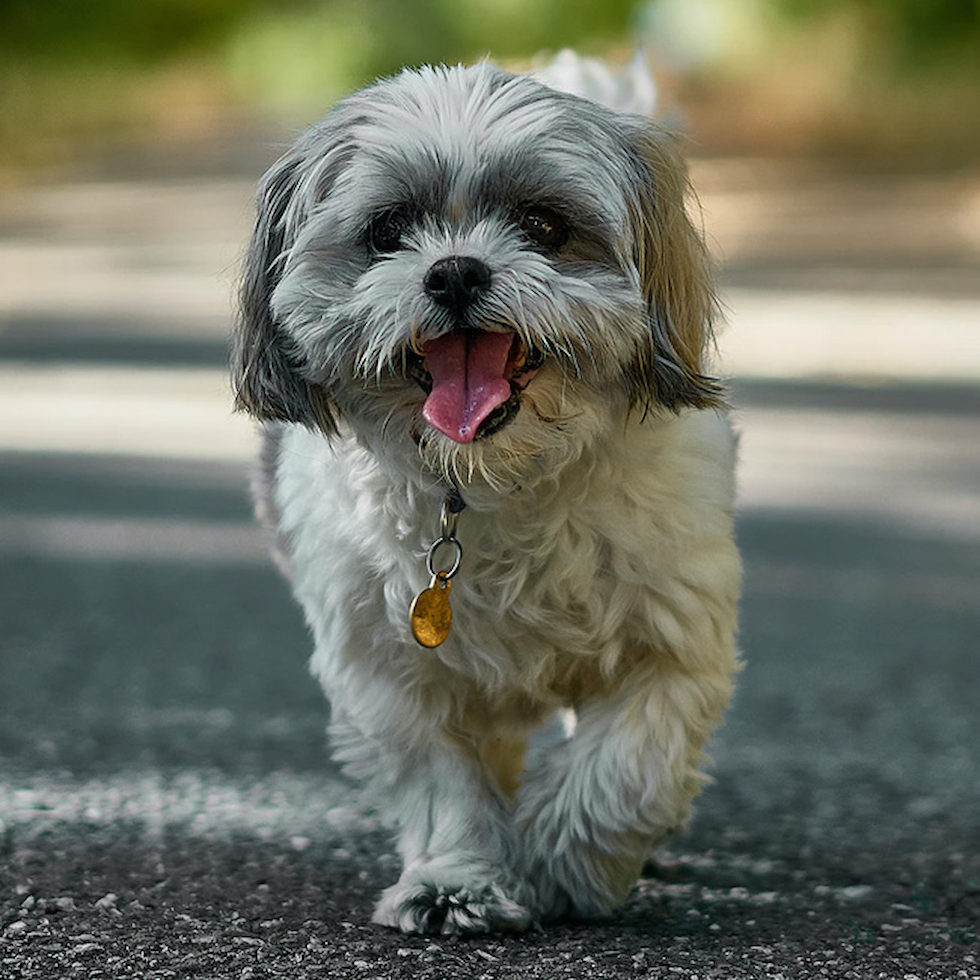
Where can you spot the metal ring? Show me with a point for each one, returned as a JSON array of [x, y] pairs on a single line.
[[434, 547], [448, 525]]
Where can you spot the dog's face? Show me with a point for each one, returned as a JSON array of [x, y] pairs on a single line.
[[470, 265]]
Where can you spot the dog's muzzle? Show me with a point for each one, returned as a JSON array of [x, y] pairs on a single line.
[[473, 377]]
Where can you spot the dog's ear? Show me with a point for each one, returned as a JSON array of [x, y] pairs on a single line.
[[265, 372], [675, 275]]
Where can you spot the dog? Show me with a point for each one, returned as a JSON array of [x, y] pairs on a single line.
[[475, 313]]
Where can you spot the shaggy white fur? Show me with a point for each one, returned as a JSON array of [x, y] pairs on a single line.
[[531, 761]]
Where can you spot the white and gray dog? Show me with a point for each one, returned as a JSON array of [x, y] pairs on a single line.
[[475, 313]]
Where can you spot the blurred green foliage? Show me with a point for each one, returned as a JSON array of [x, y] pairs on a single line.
[[395, 32], [896, 82], [903, 36], [132, 31], [392, 32], [311, 51], [70, 68]]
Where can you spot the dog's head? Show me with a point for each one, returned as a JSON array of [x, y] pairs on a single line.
[[468, 262]]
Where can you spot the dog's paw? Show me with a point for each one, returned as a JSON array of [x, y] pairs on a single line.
[[582, 901], [429, 907]]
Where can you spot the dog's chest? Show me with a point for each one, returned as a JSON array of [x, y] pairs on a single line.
[[552, 583], [541, 594]]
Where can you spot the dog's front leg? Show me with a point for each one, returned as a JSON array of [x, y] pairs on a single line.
[[455, 832], [592, 810]]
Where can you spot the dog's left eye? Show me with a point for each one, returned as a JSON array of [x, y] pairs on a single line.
[[386, 231], [544, 227]]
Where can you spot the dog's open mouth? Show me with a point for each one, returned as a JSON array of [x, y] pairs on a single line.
[[473, 379]]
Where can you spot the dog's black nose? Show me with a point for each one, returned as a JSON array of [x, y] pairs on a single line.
[[457, 281]]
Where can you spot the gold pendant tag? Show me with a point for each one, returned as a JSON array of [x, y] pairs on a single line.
[[431, 614]]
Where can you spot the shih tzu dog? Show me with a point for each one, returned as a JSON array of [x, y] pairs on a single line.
[[475, 314]]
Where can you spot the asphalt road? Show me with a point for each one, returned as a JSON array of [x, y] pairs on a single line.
[[166, 804]]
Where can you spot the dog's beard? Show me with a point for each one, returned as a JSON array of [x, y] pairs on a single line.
[[544, 425]]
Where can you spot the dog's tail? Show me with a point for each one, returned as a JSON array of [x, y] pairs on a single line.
[[630, 88]]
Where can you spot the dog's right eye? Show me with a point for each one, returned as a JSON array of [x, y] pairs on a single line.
[[386, 231]]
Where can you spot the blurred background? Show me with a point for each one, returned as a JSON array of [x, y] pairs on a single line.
[[152, 663], [893, 81]]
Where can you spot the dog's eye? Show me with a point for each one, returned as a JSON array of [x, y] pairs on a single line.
[[544, 227], [386, 231]]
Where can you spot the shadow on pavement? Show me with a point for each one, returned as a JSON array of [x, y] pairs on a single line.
[[108, 340]]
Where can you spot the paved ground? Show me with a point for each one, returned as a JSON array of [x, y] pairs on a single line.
[[165, 805]]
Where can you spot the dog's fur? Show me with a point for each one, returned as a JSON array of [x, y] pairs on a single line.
[[600, 578]]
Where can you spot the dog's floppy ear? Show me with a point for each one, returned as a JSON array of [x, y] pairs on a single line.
[[265, 374], [675, 275]]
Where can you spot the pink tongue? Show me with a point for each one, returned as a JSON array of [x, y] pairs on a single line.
[[468, 383]]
